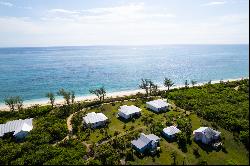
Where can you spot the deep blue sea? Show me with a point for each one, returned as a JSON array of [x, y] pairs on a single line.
[[32, 72]]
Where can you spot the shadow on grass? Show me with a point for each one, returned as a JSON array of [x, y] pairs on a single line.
[[158, 113], [147, 154], [169, 140], [206, 148], [223, 149], [123, 119], [183, 148], [132, 119]]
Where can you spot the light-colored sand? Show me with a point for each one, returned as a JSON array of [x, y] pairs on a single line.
[[114, 94]]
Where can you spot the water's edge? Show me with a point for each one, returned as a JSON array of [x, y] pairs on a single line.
[[59, 100]]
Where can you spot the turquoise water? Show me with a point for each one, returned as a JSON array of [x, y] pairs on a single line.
[[32, 72]]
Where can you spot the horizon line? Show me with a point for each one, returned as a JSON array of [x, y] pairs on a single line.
[[122, 45]]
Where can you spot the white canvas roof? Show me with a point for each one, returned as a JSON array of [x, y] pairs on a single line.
[[201, 129], [152, 137], [128, 110], [144, 140], [94, 117], [16, 126], [171, 130], [158, 103], [207, 131]]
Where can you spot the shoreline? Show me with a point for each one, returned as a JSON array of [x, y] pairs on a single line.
[[29, 103]]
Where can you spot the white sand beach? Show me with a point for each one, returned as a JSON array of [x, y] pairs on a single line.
[[109, 95]]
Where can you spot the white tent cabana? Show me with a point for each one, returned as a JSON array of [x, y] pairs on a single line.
[[206, 135], [127, 112], [19, 127], [95, 119], [157, 105], [146, 142], [171, 131]]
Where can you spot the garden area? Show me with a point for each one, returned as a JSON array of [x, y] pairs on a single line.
[[121, 133]]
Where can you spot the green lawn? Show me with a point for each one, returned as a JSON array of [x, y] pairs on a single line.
[[234, 153]]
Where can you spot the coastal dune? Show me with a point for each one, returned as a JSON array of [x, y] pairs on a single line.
[[109, 95]]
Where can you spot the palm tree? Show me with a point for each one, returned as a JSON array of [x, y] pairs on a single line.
[[66, 95], [153, 88], [186, 83], [51, 97], [168, 83], [193, 82], [145, 83], [72, 97]]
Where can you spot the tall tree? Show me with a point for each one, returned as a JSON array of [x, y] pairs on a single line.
[[10, 101], [103, 92], [96, 92], [209, 82], [145, 85], [73, 97], [186, 83], [182, 141], [14, 101], [19, 103], [153, 88], [193, 82], [100, 93], [51, 97], [66, 95], [168, 83]]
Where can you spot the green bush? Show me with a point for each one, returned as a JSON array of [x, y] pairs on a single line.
[[219, 103]]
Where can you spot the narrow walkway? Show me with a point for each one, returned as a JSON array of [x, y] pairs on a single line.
[[67, 137], [122, 134], [69, 124], [87, 145], [237, 88]]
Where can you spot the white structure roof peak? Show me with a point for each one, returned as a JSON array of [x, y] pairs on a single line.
[[128, 110], [158, 103], [144, 139], [171, 130], [16, 126], [207, 131], [94, 117]]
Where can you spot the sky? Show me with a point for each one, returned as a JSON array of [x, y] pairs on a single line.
[[123, 22]]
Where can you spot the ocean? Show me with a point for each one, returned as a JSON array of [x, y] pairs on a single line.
[[32, 72]]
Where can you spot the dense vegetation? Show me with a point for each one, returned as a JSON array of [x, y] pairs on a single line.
[[39, 146], [225, 104]]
